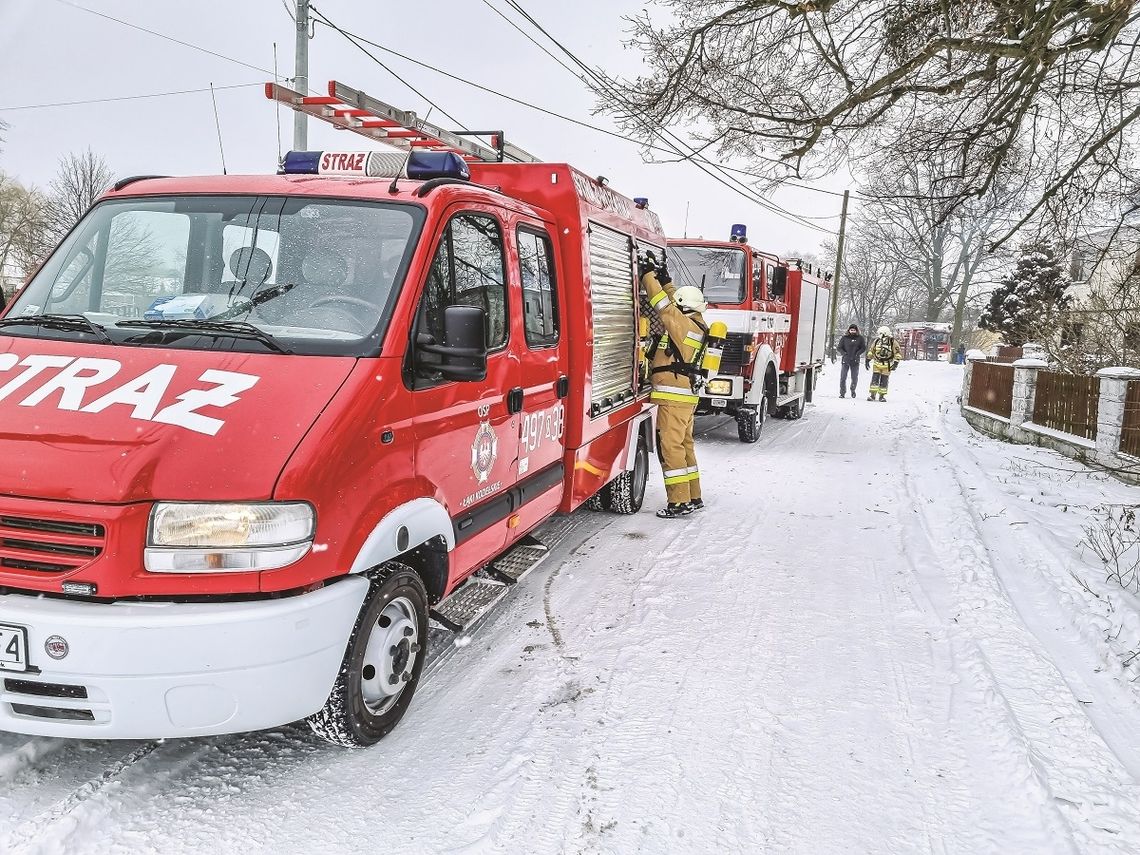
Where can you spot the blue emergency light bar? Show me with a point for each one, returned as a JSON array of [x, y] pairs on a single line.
[[739, 233], [417, 165]]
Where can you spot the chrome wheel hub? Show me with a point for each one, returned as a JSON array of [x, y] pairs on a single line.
[[389, 656]]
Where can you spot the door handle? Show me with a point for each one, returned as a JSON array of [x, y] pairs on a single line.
[[515, 400], [563, 386]]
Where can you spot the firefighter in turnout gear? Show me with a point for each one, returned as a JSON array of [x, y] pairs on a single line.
[[882, 358], [675, 366]]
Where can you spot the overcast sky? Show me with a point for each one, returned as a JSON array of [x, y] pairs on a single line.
[[51, 51]]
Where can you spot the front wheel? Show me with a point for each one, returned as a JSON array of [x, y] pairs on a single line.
[[749, 423], [382, 664], [626, 493]]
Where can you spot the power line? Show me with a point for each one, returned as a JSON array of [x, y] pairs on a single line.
[[681, 148], [354, 36], [529, 37], [162, 36], [126, 97], [360, 47]]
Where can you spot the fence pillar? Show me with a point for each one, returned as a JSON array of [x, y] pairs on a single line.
[[1110, 413], [1024, 389], [972, 356]]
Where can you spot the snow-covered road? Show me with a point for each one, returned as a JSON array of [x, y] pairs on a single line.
[[879, 637]]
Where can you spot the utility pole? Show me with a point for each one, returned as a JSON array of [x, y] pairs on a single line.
[[835, 278], [301, 75]]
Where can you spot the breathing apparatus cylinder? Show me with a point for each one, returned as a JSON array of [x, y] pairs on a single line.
[[714, 348], [643, 344]]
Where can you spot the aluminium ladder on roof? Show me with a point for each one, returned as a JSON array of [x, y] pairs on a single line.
[[353, 110]]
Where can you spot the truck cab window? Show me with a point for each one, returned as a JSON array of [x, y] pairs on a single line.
[[540, 301], [468, 270]]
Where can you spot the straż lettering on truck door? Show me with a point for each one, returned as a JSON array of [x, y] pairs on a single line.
[[74, 378]]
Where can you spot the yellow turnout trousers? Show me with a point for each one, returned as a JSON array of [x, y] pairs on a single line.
[[675, 447]]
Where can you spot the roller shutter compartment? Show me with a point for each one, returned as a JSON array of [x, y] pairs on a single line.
[[614, 321]]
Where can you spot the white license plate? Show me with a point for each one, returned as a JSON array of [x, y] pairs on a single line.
[[13, 648], [719, 402]]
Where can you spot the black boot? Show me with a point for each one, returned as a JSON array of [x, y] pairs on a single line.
[[674, 511], [696, 504]]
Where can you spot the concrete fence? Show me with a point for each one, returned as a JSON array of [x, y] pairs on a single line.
[[1102, 450]]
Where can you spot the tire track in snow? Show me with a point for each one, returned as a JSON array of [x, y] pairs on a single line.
[[33, 830], [1007, 667]]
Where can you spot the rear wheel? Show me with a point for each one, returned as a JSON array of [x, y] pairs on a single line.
[[749, 423], [382, 664], [792, 411], [600, 501], [627, 491]]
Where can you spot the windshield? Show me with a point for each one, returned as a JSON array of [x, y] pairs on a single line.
[[313, 276], [717, 271]]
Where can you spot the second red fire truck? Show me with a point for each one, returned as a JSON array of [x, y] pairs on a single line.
[[776, 311]]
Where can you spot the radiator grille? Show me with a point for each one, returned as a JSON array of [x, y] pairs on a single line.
[[48, 546]]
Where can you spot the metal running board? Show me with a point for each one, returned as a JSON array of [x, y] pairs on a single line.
[[787, 399], [454, 619], [523, 558], [460, 613]]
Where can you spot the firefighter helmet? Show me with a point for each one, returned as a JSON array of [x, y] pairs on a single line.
[[689, 299], [884, 331]]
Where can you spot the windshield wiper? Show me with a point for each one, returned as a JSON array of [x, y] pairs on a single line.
[[214, 328], [64, 323], [253, 302]]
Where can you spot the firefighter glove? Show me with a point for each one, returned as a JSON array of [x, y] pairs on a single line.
[[894, 365], [646, 264]]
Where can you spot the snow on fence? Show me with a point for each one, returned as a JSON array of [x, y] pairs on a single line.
[[1092, 419], [1130, 430], [1067, 403], [991, 388]]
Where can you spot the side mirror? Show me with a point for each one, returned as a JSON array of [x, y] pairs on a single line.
[[778, 284], [464, 348]]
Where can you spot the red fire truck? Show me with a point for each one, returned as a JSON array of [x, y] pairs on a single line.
[[261, 432], [776, 314], [924, 340]]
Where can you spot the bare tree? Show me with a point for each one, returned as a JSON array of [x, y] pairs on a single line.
[[81, 179], [938, 248], [869, 294], [21, 223], [797, 88]]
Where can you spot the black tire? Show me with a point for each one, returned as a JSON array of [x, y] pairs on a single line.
[[792, 411], [601, 500], [749, 423], [348, 717], [627, 490]]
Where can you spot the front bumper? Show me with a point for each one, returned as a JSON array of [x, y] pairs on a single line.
[[155, 670]]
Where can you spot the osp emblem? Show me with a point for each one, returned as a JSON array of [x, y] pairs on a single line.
[[484, 451]]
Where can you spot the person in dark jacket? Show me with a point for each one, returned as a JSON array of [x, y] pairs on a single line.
[[851, 348]]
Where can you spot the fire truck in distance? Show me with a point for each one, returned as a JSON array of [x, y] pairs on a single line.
[[254, 476], [924, 340], [776, 313]]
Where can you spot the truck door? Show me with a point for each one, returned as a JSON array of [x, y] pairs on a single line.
[[467, 432], [544, 380]]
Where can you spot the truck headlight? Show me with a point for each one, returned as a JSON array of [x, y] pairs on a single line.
[[719, 387], [188, 537]]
